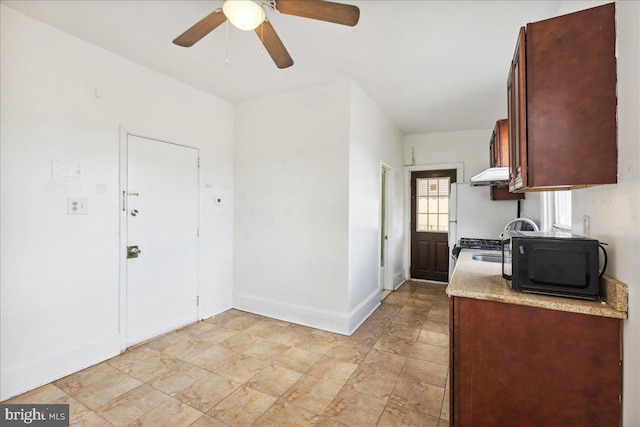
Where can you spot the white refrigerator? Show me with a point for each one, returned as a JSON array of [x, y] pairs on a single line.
[[472, 214]]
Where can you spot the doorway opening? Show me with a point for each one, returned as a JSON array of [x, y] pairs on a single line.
[[429, 224]]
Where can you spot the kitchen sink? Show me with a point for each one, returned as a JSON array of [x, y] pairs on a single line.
[[490, 258]]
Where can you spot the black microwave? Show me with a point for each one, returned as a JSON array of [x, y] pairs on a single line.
[[552, 263]]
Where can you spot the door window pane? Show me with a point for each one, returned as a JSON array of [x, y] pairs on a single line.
[[433, 204]]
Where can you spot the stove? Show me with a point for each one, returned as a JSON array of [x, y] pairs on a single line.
[[468, 243], [486, 244]]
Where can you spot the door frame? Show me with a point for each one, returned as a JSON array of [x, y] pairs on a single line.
[[385, 273], [459, 167], [123, 188]]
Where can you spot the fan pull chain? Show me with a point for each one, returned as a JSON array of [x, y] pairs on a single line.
[[227, 44]]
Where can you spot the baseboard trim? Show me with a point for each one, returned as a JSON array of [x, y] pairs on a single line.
[[398, 280], [326, 320], [221, 303], [358, 315], [402, 282], [20, 379]]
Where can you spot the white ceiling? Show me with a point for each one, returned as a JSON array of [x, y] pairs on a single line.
[[432, 66]]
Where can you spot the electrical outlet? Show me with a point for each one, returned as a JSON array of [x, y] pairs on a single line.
[[586, 225], [77, 206]]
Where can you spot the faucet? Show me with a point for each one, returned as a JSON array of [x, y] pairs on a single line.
[[511, 225]]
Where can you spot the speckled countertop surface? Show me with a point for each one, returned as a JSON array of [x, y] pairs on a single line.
[[483, 280]]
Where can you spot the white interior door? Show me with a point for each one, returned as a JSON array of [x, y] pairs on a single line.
[[162, 221]]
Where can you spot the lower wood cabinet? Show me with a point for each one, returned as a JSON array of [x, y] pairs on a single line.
[[514, 365]]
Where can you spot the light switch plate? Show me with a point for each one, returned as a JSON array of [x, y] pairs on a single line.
[[66, 171], [77, 206], [586, 225]]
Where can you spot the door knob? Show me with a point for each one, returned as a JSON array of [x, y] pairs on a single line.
[[134, 212], [133, 251]]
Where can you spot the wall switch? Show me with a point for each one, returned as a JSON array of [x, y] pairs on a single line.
[[66, 171], [586, 225], [77, 206]]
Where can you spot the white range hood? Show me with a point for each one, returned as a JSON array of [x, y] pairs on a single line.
[[491, 176]]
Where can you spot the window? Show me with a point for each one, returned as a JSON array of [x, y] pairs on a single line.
[[562, 210], [433, 204], [557, 210]]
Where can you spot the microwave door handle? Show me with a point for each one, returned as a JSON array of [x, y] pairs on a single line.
[[604, 266], [505, 275]]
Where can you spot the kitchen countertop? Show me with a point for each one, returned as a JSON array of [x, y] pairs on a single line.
[[483, 280]]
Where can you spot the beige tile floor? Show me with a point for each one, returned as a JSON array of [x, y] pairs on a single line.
[[241, 369]]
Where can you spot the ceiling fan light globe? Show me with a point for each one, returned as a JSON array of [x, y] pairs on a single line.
[[244, 14]]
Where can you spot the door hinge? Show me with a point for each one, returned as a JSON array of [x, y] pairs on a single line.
[[198, 161], [198, 232], [198, 300]]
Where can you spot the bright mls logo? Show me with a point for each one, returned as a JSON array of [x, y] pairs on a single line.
[[34, 415]]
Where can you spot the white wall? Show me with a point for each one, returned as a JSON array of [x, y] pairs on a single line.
[[307, 212], [374, 140], [615, 209], [60, 274], [470, 147], [291, 188]]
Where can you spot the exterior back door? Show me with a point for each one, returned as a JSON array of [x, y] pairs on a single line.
[[430, 224]]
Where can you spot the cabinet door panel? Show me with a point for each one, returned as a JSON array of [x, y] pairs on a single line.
[[499, 157], [524, 366], [571, 99], [503, 138]]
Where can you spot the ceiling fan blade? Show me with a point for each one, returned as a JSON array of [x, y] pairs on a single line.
[[336, 13], [200, 29], [274, 45]]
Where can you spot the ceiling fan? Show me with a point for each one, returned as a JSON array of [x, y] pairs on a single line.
[[249, 15]]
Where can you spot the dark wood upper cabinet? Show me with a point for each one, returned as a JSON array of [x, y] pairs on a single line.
[[561, 95], [499, 157], [500, 144]]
